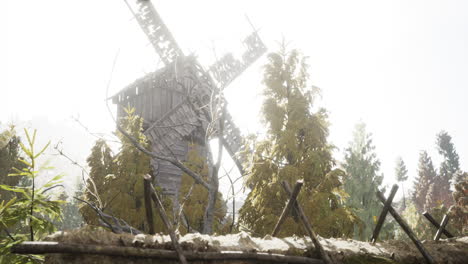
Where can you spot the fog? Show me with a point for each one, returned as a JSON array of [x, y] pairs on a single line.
[[398, 66]]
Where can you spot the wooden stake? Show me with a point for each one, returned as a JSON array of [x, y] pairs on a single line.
[[323, 254], [434, 222], [287, 208], [167, 223], [407, 229], [383, 214], [148, 207], [441, 228]]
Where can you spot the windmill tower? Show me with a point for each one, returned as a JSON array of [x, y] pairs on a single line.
[[173, 99]]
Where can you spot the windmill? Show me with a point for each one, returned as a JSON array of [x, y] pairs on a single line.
[[173, 100]]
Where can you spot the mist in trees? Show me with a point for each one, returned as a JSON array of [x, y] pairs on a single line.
[[362, 181], [401, 175], [295, 147], [340, 201]]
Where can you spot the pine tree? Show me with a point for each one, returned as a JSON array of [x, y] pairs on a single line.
[[450, 165], [401, 175], [71, 217], [31, 213], [9, 159], [362, 181], [194, 197], [426, 177], [119, 178], [295, 147]]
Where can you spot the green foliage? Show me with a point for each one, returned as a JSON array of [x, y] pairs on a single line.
[[448, 168], [194, 204], [459, 211], [116, 181], [362, 182], [9, 159], [33, 207], [71, 218], [445, 147], [401, 175], [295, 147], [426, 176], [420, 225]]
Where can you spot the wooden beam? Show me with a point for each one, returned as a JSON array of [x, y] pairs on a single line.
[[441, 228], [407, 229], [66, 248], [383, 214], [323, 254], [434, 222], [288, 207], [167, 223], [148, 207]]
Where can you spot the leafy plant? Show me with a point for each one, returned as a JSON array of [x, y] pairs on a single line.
[[33, 207]]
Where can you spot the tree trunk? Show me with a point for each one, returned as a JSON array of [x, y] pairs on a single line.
[[208, 218]]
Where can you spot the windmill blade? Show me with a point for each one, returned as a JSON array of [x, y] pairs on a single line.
[[155, 29], [232, 140], [228, 68]]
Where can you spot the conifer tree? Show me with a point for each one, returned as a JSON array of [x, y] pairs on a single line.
[[295, 147], [448, 168], [426, 177], [401, 175], [9, 159], [119, 178], [71, 217], [362, 181], [194, 197]]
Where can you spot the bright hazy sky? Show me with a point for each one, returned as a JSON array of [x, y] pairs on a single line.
[[399, 66]]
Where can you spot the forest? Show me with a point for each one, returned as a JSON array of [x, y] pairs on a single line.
[[160, 174]]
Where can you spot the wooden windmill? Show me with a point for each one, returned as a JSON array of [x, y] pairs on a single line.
[[173, 100]]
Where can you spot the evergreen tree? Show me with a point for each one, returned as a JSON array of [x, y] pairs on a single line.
[[450, 165], [459, 212], [362, 181], [119, 178], [71, 217], [426, 177], [9, 159], [401, 175], [31, 213], [295, 147], [194, 197]]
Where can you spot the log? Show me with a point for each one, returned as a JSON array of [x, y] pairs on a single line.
[[308, 227], [383, 214], [407, 229], [66, 248], [441, 228], [167, 223], [287, 208], [434, 222]]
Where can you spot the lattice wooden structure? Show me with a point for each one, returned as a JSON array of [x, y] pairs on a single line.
[[173, 100]]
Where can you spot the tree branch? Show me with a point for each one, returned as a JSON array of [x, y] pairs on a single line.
[[173, 161]]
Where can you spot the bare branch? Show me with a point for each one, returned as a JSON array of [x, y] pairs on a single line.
[[174, 161], [96, 135], [186, 197], [95, 194], [233, 201], [104, 220]]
